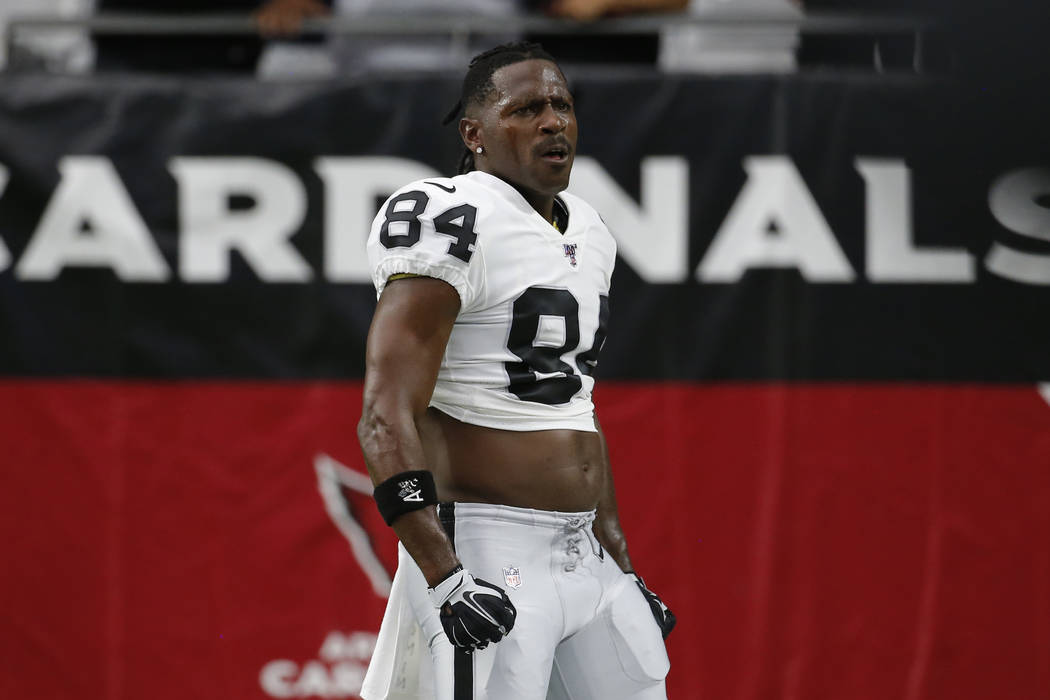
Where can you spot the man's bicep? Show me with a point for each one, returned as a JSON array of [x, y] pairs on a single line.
[[407, 339]]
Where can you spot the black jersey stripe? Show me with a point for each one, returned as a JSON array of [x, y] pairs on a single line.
[[462, 659]]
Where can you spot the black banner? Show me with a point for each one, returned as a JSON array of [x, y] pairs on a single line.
[[796, 227]]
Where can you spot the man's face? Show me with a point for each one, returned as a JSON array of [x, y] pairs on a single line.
[[528, 128]]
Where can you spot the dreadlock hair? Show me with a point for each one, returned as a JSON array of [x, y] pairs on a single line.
[[477, 83]]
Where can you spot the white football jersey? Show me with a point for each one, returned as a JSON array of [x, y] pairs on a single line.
[[533, 302]]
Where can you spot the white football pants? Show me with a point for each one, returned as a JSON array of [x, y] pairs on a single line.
[[583, 632]]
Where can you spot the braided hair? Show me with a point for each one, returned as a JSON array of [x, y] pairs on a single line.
[[477, 83]]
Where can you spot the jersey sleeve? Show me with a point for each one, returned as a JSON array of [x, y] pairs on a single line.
[[424, 230]]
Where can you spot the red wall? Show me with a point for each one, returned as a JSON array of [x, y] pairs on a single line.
[[169, 540]]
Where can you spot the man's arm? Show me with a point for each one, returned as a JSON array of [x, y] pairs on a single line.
[[407, 339], [607, 521], [609, 533]]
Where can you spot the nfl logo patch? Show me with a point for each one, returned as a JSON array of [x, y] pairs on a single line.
[[512, 575]]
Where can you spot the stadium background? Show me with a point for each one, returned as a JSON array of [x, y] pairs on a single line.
[[834, 467]]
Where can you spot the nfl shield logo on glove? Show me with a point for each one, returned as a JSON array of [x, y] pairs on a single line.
[[512, 575]]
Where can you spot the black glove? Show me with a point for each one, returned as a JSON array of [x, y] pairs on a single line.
[[473, 611], [664, 617]]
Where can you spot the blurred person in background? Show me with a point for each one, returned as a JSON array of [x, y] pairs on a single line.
[[596, 49], [765, 43], [359, 55], [190, 53], [590, 10], [414, 52], [58, 50]]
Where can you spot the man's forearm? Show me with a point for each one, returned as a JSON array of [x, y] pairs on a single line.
[[607, 522], [426, 542], [388, 449]]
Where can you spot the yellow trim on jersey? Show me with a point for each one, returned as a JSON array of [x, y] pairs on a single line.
[[402, 276], [559, 206]]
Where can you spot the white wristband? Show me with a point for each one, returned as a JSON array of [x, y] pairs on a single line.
[[440, 593]]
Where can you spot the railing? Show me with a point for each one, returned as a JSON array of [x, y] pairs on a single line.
[[459, 29]]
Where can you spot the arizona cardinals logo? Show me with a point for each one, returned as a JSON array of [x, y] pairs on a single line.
[[337, 482], [570, 252]]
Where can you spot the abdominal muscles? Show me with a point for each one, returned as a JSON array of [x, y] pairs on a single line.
[[544, 469]]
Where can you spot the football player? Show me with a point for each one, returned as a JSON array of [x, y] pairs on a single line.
[[514, 580]]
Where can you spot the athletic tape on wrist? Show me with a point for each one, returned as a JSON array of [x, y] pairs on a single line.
[[405, 492]]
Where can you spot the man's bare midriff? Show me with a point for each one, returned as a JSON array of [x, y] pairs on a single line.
[[543, 469]]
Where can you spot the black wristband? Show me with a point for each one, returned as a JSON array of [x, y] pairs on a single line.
[[405, 492]]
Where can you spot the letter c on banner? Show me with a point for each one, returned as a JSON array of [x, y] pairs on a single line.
[[277, 678]]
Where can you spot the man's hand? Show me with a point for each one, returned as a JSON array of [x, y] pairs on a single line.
[[579, 10], [284, 18], [591, 10], [664, 617], [473, 611]]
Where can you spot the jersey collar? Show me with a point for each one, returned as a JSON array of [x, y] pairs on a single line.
[[514, 197]]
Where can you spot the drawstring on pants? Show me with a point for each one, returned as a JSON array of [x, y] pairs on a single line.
[[576, 528]]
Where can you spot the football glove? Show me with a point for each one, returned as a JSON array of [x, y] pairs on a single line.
[[473, 611], [664, 617]]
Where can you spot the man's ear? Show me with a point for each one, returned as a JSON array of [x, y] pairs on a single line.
[[470, 132]]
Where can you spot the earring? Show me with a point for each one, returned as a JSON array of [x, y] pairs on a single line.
[[479, 150]]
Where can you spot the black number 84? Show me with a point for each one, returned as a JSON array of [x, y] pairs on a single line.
[[541, 375], [462, 234]]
